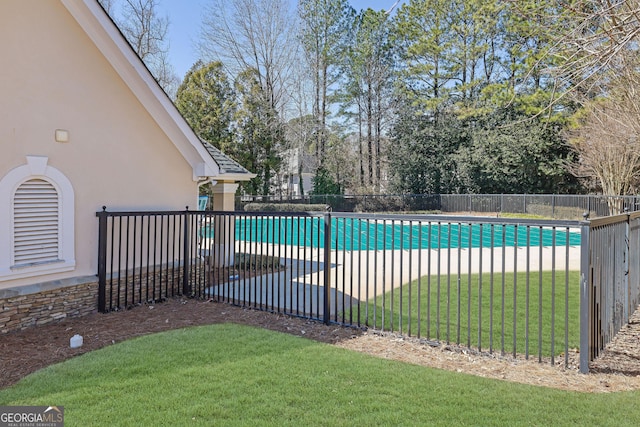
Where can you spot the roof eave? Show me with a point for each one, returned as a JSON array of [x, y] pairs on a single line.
[[234, 176]]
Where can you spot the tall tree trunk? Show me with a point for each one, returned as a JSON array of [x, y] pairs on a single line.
[[316, 113], [300, 178], [378, 121], [369, 134], [360, 152], [323, 114]]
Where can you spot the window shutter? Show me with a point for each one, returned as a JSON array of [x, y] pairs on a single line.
[[36, 223]]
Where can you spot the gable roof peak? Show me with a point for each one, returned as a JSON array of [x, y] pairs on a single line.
[[107, 37]]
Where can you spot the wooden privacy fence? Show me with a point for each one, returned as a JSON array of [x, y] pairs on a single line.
[[535, 288]]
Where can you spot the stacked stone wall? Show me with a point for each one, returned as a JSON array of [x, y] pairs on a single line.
[[35, 305]]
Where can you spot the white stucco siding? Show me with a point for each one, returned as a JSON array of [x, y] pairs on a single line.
[[54, 77]]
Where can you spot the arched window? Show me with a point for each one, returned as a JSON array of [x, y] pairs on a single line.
[[36, 221]]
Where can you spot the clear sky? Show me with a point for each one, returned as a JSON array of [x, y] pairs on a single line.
[[185, 18]]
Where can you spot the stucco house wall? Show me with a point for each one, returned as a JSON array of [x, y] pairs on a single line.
[[116, 155], [81, 111]]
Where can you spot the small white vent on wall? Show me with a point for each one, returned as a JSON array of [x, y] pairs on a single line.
[[36, 223]]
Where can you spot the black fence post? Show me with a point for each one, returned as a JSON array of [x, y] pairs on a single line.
[[102, 260], [327, 268], [186, 261], [585, 296]]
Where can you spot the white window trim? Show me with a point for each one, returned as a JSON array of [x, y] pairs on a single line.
[[36, 167]]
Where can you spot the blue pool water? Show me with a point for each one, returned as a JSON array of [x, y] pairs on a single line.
[[357, 234]]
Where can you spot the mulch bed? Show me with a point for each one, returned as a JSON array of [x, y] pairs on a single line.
[[27, 351]]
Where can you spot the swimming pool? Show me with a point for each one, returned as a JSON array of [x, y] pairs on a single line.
[[378, 234]]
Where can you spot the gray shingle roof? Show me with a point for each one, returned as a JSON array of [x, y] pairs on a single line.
[[227, 164]]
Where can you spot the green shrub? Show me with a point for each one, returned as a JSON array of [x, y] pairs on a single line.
[[256, 262], [285, 207]]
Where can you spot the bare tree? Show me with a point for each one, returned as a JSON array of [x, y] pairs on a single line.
[[588, 39], [252, 34], [594, 60], [300, 131], [608, 143], [107, 5], [599, 67], [600, 34], [146, 32]]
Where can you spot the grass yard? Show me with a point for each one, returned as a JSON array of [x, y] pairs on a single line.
[[488, 308], [238, 375]]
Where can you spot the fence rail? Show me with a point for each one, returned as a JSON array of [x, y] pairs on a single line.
[[501, 285], [561, 206]]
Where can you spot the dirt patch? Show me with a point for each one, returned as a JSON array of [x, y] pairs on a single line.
[[24, 352]]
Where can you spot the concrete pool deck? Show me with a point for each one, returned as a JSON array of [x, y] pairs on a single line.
[[359, 275]]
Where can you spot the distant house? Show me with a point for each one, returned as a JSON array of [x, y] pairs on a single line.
[[297, 171], [83, 124]]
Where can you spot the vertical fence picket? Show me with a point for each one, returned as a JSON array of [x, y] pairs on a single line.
[[469, 290], [502, 292], [113, 245], [419, 304], [410, 281], [429, 239], [527, 294], [491, 290], [367, 278], [384, 279], [553, 295], [540, 332], [185, 255], [375, 278], [327, 268], [515, 289], [400, 281], [102, 260], [481, 250], [439, 236], [566, 300], [147, 263], [393, 277], [585, 293]]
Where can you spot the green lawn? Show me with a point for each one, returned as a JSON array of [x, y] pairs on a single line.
[[237, 375], [429, 308]]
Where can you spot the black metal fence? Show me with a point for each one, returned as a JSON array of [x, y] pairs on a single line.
[[560, 206], [611, 281], [501, 285], [147, 256]]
